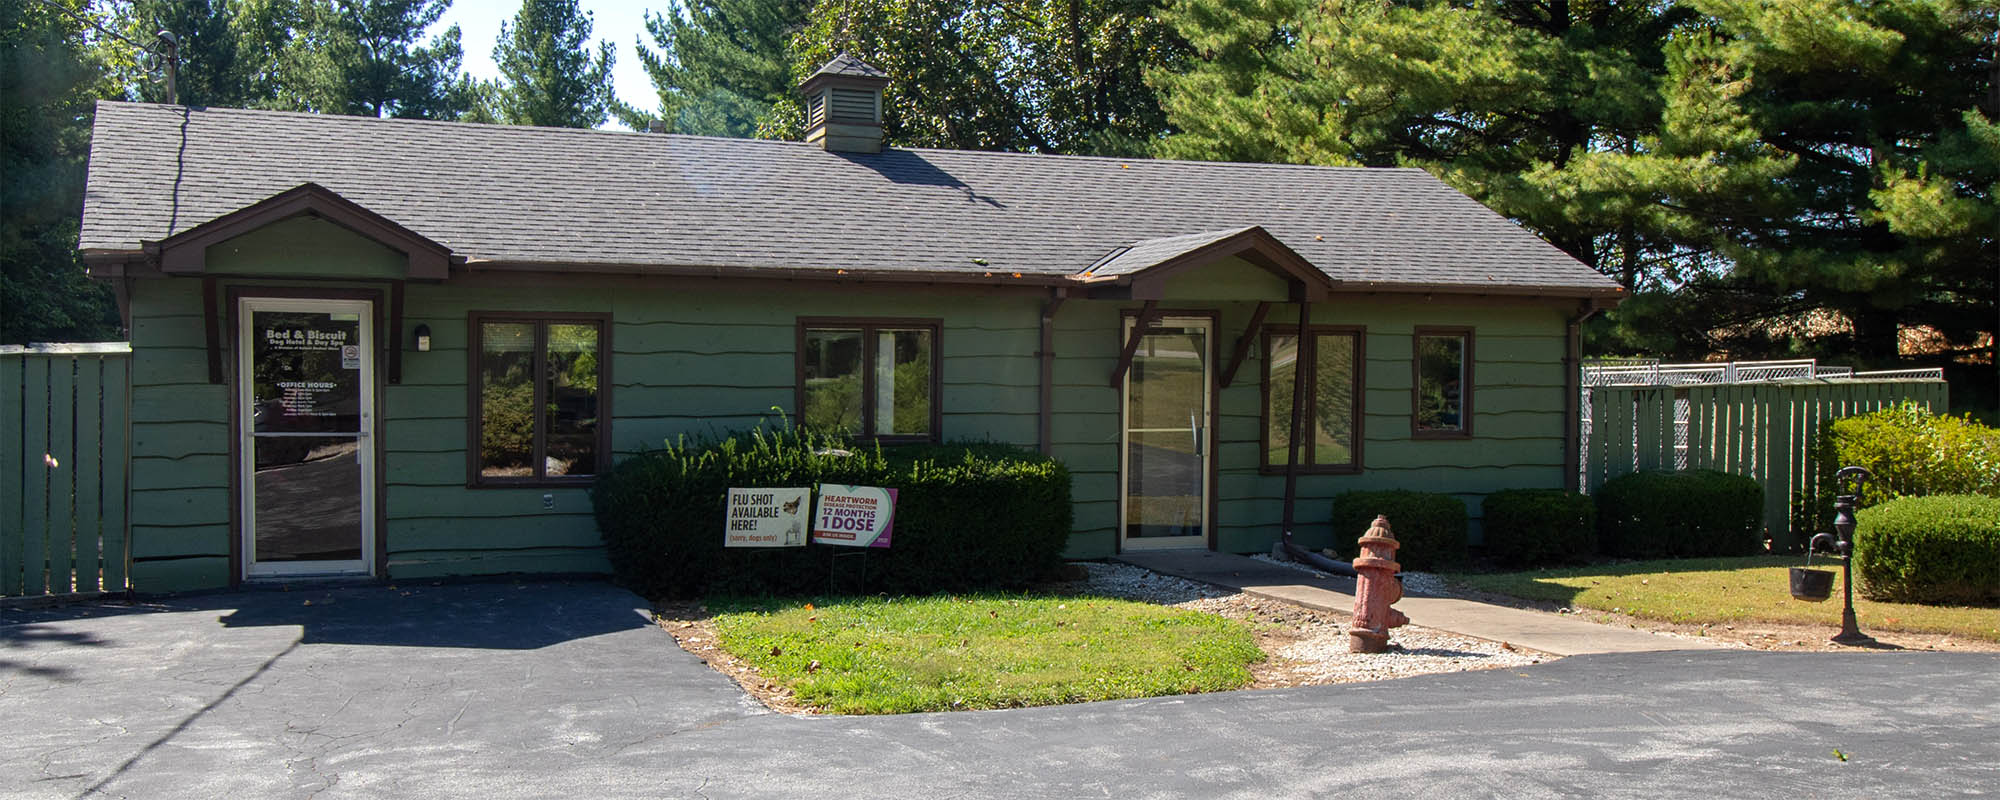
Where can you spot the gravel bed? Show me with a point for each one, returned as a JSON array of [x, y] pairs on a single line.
[[1422, 584], [1308, 647]]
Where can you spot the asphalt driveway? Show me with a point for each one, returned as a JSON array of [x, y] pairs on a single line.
[[551, 689]]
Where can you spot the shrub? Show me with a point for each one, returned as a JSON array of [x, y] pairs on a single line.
[[1656, 514], [1911, 451], [1939, 549], [1533, 527], [1429, 526], [967, 516]]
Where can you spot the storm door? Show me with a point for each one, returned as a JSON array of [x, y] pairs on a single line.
[[1168, 437], [306, 374]]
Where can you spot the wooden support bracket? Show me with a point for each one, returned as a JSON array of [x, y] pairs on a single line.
[[1243, 344], [1147, 314]]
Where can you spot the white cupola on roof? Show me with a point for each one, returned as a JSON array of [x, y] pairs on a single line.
[[844, 105]]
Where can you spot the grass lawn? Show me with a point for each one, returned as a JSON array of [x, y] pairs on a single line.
[[1723, 591], [891, 655]]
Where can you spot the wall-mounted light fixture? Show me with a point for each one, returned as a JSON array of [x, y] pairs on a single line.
[[423, 338]]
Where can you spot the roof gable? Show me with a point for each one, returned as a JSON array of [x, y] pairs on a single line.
[[186, 253], [1144, 266]]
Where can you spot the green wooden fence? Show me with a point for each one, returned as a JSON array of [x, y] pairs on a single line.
[[1762, 430], [64, 444]]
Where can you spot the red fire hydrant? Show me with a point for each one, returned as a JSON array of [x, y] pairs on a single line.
[[1375, 589]]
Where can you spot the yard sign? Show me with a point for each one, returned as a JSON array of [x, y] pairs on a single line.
[[856, 516], [766, 518]]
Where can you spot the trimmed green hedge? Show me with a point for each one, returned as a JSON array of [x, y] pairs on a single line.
[[1942, 549], [1695, 513], [1430, 527], [970, 516], [1535, 527], [1910, 450]]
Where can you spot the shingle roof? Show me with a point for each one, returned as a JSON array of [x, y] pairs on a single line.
[[846, 65], [583, 199]]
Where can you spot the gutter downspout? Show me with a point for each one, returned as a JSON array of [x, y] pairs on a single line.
[[1572, 394], [1296, 552], [1045, 411]]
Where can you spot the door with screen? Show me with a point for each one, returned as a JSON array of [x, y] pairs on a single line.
[[1167, 436], [305, 383]]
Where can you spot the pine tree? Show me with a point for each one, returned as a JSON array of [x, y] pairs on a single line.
[[549, 76], [722, 67], [363, 57]]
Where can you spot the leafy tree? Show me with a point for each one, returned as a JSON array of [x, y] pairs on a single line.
[[1057, 76], [550, 77], [50, 74], [363, 57], [722, 67]]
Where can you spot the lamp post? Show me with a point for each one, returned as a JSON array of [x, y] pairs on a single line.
[[1843, 524]]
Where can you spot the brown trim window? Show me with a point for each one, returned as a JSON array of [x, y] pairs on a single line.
[[1441, 388], [540, 398], [869, 378], [1333, 359]]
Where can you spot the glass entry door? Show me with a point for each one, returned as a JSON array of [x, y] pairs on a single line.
[[1168, 436], [305, 378]]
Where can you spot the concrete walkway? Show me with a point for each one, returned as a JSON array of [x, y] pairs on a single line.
[[1549, 633]]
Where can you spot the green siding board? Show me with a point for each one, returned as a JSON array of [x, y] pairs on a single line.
[[180, 506], [425, 436], [435, 368], [494, 533], [547, 561], [406, 502], [187, 472], [153, 542], [180, 574], [200, 403], [171, 365], [169, 439], [424, 469], [171, 332], [424, 402]]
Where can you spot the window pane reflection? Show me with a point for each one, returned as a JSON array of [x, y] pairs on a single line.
[[833, 380], [506, 399], [570, 411], [1440, 383], [903, 381]]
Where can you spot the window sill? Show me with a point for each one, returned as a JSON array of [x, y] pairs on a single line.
[[1441, 434]]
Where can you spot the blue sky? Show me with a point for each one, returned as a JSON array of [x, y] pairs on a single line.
[[621, 21]]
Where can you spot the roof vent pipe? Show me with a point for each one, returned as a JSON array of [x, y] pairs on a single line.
[[844, 105]]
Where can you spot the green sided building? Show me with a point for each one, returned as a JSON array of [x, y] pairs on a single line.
[[402, 348]]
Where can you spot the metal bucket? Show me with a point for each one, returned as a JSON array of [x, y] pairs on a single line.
[[1811, 585]]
